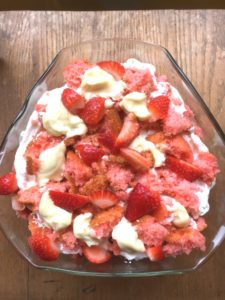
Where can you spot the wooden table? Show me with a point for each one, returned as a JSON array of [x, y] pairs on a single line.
[[28, 42]]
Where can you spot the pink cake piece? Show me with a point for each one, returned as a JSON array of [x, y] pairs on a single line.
[[139, 80], [184, 241], [176, 123], [151, 233], [208, 164], [119, 177]]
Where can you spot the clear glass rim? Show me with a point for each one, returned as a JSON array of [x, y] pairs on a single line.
[[207, 111]]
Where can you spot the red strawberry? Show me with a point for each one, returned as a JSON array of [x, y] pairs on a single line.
[[141, 202], [135, 159], [8, 184], [183, 168], [93, 111], [155, 253], [89, 153], [180, 148], [103, 199], [72, 100], [68, 201], [96, 254], [128, 132], [110, 129], [43, 247], [159, 106], [112, 67]]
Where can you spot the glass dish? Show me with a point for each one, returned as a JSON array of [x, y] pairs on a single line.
[[16, 230]]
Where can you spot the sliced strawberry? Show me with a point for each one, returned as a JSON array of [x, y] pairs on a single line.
[[93, 111], [103, 199], [89, 153], [43, 247], [159, 106], [96, 254], [155, 253], [72, 100], [36, 226], [112, 67], [8, 184], [183, 168], [141, 202], [178, 147], [135, 159], [128, 132], [68, 201]]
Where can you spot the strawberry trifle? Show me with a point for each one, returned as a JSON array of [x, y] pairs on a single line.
[[112, 164]]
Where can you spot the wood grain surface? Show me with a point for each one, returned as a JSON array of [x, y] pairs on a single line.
[[28, 43]]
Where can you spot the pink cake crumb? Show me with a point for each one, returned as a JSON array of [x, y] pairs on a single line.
[[184, 241], [119, 178], [176, 123], [31, 196], [208, 164], [138, 80], [75, 170], [201, 224], [151, 234]]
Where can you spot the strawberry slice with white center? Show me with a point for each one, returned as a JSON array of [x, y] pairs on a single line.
[[135, 159], [72, 100], [155, 253], [159, 107], [112, 67], [96, 254], [128, 132], [183, 168], [8, 184], [103, 199], [67, 201], [43, 247]]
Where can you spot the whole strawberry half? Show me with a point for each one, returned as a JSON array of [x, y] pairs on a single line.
[[128, 132], [141, 202], [43, 247], [72, 100], [93, 111], [96, 254], [8, 184], [159, 107], [68, 201], [112, 67], [89, 153], [183, 168]]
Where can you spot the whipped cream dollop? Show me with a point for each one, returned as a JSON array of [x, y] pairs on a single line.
[[57, 120], [54, 216], [127, 238], [83, 231], [179, 214], [97, 82], [51, 163], [140, 144], [135, 102]]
